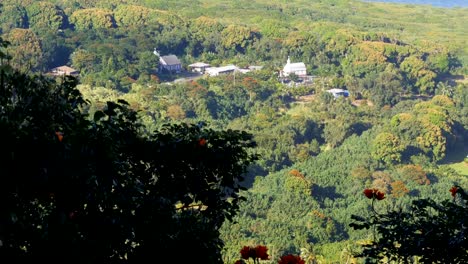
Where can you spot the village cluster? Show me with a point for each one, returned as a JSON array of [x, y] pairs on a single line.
[[293, 74]]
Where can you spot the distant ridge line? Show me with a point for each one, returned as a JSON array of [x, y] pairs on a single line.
[[435, 3]]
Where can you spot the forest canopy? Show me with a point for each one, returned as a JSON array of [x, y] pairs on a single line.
[[401, 129]]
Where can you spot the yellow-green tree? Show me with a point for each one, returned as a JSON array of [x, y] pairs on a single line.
[[84, 60], [297, 183], [135, 16], [387, 148], [236, 37], [432, 140], [92, 18], [43, 15], [420, 74], [12, 16], [25, 50]]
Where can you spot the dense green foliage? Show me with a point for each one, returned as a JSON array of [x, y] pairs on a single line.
[[426, 232], [405, 121], [112, 36], [82, 190]]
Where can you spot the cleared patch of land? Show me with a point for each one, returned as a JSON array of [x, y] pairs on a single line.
[[460, 167]]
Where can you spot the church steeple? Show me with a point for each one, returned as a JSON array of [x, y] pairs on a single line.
[[156, 52], [288, 61]]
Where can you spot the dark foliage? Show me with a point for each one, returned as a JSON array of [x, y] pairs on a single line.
[[427, 231], [81, 190]]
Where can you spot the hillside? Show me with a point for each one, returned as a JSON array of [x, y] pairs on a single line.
[[403, 128]]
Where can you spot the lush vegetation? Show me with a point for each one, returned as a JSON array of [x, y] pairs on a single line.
[[403, 130], [426, 232], [78, 189]]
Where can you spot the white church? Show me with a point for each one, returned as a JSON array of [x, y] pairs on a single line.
[[297, 68]]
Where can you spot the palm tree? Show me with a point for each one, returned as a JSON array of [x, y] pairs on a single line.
[[444, 88]]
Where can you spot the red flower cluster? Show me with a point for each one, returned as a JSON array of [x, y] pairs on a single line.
[[374, 194], [201, 142], [291, 259], [258, 252], [454, 190], [59, 135]]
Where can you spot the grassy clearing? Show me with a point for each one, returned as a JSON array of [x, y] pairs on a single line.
[[458, 160], [460, 167]]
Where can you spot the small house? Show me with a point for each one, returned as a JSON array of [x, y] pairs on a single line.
[[170, 63], [199, 67], [338, 92], [215, 71], [64, 70]]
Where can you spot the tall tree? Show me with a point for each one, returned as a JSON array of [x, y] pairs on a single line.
[[45, 16], [12, 16], [387, 148], [25, 50], [92, 18]]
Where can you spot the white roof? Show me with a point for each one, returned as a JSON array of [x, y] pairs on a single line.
[[292, 67], [252, 67], [336, 90], [64, 69], [169, 60], [222, 69], [199, 65]]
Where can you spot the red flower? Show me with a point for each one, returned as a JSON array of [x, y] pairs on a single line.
[[258, 252], [240, 261], [379, 195], [291, 259], [201, 142], [374, 194], [454, 190], [59, 135], [369, 193], [261, 252], [245, 252]]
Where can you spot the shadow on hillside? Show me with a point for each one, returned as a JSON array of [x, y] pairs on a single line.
[[414, 193], [432, 178], [322, 193], [452, 80], [254, 170], [456, 155]]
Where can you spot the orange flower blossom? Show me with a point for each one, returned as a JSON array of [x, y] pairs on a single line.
[[59, 135], [261, 252], [291, 259], [454, 190], [201, 142], [374, 194], [245, 252], [258, 252]]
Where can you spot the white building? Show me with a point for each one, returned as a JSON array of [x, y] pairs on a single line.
[[297, 68], [215, 71], [199, 67], [338, 92], [64, 70]]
